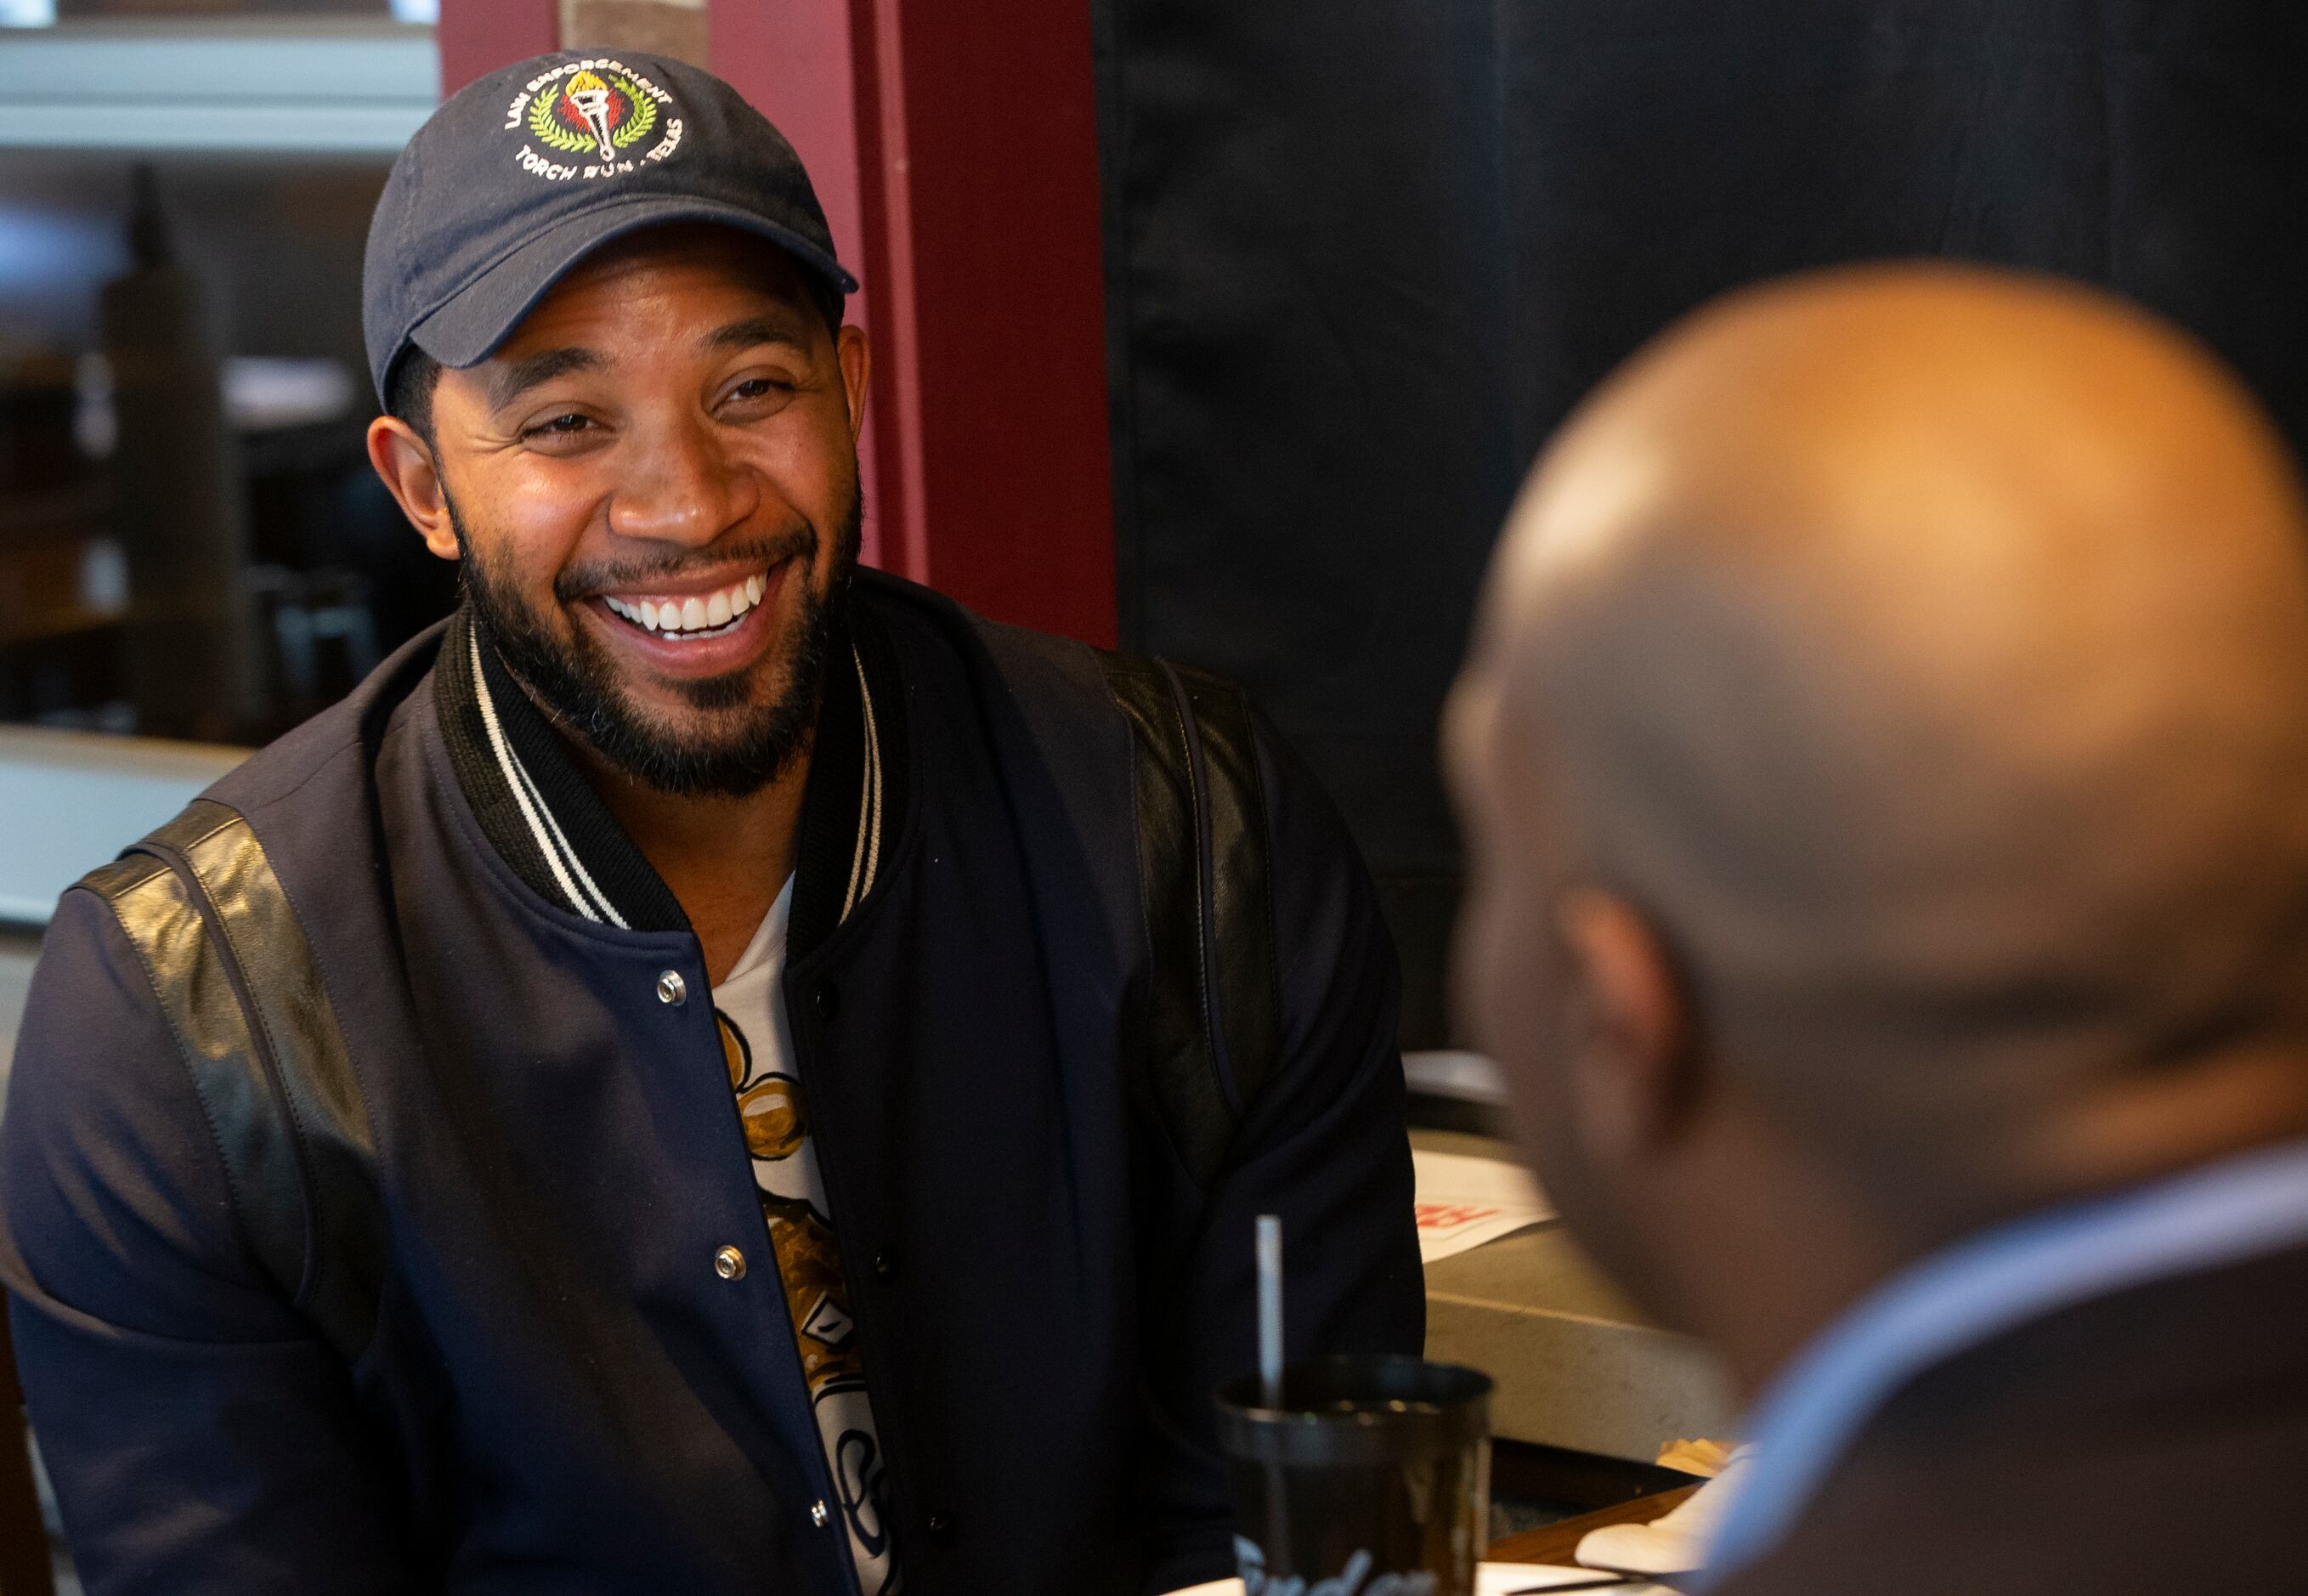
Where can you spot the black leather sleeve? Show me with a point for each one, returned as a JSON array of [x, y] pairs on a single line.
[[1323, 1144], [201, 1433]]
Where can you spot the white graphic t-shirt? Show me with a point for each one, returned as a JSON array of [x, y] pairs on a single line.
[[758, 1040]]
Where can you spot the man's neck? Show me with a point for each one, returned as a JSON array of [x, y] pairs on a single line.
[[1758, 1243], [725, 859]]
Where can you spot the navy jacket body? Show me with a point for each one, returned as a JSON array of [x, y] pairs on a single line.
[[560, 1393]]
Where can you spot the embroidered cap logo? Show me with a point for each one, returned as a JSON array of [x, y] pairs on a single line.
[[592, 99], [596, 112]]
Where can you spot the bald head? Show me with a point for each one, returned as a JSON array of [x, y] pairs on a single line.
[[1919, 657]]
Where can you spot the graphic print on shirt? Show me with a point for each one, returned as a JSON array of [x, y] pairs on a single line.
[[817, 1297]]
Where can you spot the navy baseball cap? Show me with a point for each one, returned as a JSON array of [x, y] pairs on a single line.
[[523, 173]]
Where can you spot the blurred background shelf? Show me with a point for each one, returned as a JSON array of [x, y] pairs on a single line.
[[324, 86]]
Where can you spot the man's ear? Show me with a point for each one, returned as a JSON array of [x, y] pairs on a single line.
[[405, 462], [850, 347], [1634, 1071]]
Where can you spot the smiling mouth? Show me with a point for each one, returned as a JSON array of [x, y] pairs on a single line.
[[691, 616]]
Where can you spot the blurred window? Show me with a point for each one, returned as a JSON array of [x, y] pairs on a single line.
[[192, 543], [42, 13]]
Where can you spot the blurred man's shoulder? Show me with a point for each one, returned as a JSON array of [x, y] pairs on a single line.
[[2143, 1441]]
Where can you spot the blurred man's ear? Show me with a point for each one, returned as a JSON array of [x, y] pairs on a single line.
[[405, 462], [1634, 1073]]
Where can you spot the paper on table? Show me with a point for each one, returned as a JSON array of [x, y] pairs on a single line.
[[1491, 1579], [1496, 1579], [1464, 1201]]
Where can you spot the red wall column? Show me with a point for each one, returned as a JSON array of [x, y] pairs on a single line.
[[796, 62], [478, 36], [960, 143]]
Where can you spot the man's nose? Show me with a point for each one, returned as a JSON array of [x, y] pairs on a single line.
[[681, 486]]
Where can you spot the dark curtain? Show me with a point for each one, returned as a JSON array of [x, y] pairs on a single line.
[[1363, 255]]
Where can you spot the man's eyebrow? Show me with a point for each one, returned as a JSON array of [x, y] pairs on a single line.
[[509, 382], [757, 330]]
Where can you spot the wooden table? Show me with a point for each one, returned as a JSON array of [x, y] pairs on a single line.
[[1557, 1543]]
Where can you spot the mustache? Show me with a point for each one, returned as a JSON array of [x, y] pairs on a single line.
[[582, 581]]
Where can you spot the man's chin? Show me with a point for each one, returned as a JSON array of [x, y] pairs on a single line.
[[706, 728], [686, 760], [698, 705], [726, 735]]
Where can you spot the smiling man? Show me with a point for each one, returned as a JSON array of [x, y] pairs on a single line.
[[715, 1070]]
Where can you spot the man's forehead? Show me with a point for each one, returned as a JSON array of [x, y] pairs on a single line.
[[1480, 746], [1504, 759]]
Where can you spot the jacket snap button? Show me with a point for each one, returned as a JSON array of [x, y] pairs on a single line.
[[671, 987], [885, 1263], [729, 1263], [940, 1526], [829, 1002], [818, 1514]]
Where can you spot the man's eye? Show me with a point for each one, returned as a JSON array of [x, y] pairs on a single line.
[[757, 388], [562, 425]]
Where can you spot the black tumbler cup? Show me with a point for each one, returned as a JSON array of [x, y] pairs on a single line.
[[1371, 1478]]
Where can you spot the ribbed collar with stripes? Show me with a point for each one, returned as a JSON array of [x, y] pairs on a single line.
[[540, 813]]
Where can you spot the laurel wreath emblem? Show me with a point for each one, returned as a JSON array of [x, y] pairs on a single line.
[[549, 129]]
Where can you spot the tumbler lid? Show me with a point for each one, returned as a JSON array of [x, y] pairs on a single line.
[[1355, 1410]]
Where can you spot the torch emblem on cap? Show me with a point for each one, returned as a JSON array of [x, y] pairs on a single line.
[[595, 112], [591, 98]]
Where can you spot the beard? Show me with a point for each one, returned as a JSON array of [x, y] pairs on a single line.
[[733, 745]]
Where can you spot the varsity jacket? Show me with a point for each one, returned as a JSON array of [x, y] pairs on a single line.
[[371, 1153]]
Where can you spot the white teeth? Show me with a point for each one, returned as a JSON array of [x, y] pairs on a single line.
[[676, 615]]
